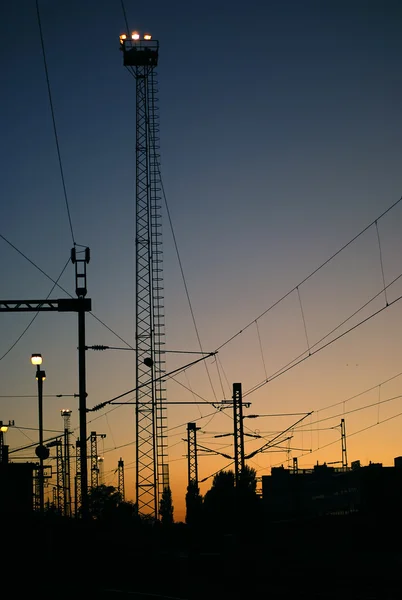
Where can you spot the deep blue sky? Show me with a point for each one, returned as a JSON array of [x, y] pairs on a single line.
[[280, 141]]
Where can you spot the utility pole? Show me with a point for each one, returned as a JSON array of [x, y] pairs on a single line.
[[59, 491], [192, 461], [81, 291], [238, 431], [66, 415], [80, 305], [95, 457], [120, 479], [59, 476], [77, 478], [343, 441]]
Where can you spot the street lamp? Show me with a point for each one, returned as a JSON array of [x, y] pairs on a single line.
[[3, 430], [42, 452]]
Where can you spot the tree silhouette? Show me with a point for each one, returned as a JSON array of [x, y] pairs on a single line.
[[223, 481], [166, 507], [231, 508], [193, 504], [103, 500], [219, 502], [248, 479], [248, 503]]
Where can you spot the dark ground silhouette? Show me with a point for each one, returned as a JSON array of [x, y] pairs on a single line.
[[348, 557]]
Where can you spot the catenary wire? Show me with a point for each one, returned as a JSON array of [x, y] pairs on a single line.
[[54, 121], [56, 283], [123, 8], [298, 429], [349, 435], [273, 376], [261, 349], [35, 316], [304, 318], [381, 261], [352, 410], [34, 264], [293, 364], [301, 358], [359, 394], [179, 382], [310, 451], [312, 273]]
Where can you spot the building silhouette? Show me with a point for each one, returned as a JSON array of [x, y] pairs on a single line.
[[372, 490], [16, 489]]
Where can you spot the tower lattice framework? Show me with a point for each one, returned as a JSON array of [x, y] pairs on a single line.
[[152, 474], [120, 480], [59, 477], [238, 431], [192, 461], [78, 495], [66, 416]]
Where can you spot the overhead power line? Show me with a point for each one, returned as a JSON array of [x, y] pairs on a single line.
[[349, 412], [337, 440], [54, 120], [301, 358], [36, 314], [163, 376], [312, 273], [361, 393]]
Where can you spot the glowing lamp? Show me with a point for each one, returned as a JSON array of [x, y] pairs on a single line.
[[135, 35], [147, 36], [36, 359]]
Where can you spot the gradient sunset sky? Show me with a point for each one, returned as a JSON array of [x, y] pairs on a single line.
[[280, 142]]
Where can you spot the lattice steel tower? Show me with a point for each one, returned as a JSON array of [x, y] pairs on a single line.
[[66, 416], [192, 462], [95, 462], [120, 480], [238, 431], [152, 475], [78, 495], [58, 491]]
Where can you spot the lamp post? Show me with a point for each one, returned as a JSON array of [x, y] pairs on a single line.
[[3, 430], [41, 451]]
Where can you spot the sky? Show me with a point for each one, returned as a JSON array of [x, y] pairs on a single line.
[[280, 129]]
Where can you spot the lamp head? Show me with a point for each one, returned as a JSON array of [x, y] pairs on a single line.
[[36, 359]]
